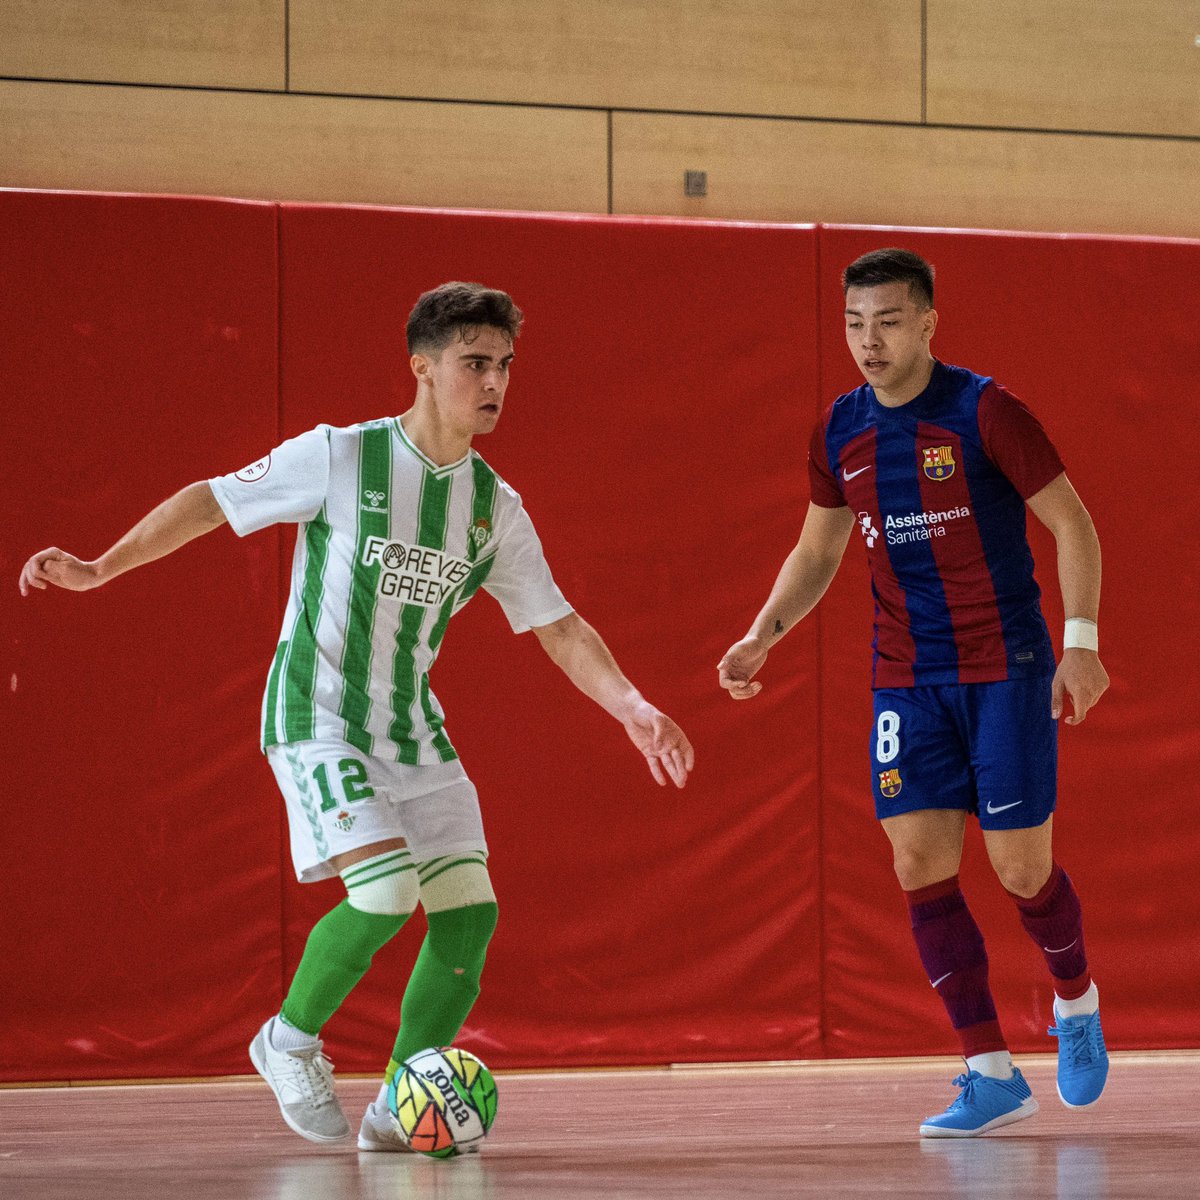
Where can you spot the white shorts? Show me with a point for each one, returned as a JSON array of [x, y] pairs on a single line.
[[339, 799]]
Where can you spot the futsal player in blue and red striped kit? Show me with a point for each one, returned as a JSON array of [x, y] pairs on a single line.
[[935, 467]]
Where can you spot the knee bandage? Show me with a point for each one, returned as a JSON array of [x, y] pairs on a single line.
[[455, 881], [386, 884], [460, 907]]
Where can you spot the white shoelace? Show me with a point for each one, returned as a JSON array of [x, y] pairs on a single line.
[[313, 1075]]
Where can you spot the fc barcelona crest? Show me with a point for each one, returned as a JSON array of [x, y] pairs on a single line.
[[889, 783], [939, 462]]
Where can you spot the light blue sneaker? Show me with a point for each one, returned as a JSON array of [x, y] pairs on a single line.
[[985, 1103], [1082, 1059]]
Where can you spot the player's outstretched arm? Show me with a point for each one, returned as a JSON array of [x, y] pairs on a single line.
[[580, 652], [803, 579], [185, 516], [1080, 674]]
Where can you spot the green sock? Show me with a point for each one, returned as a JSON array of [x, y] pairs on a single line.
[[338, 953], [445, 981]]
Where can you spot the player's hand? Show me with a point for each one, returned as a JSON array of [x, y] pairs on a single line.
[[737, 669], [1081, 676], [667, 750], [55, 566]]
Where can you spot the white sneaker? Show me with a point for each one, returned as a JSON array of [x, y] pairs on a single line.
[[302, 1081], [379, 1130]]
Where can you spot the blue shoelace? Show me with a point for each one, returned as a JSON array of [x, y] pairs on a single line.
[[967, 1083], [1083, 1042]]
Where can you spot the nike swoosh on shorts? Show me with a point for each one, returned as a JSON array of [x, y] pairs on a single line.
[[1002, 807]]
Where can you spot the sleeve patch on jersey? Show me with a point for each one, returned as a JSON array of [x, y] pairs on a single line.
[[255, 471]]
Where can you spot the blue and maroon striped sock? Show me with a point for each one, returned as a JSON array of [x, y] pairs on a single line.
[[955, 959], [1054, 920]]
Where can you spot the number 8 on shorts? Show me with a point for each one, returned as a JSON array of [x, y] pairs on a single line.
[[887, 736]]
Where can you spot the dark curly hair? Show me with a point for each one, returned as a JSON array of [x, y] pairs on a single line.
[[446, 313]]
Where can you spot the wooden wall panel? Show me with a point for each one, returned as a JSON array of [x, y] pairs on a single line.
[[1108, 65], [787, 57], [835, 172], [198, 43], [301, 148]]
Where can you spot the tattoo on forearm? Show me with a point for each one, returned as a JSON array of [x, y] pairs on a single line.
[[778, 627]]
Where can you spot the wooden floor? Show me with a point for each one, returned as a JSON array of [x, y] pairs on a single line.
[[819, 1130]]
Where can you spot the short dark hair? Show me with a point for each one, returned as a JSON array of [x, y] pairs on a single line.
[[445, 313], [891, 265]]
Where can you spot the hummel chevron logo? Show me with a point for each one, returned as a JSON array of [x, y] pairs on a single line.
[[993, 808], [848, 475]]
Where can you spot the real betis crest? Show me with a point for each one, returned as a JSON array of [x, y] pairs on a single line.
[[344, 821], [481, 533], [939, 462]]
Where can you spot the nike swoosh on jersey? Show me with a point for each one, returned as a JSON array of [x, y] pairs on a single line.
[[993, 810], [935, 982], [848, 475]]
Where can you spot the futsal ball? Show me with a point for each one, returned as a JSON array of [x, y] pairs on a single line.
[[444, 1100]]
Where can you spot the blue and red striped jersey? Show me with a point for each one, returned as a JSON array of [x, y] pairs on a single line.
[[939, 488]]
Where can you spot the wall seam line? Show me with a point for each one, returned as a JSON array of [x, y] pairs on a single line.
[[610, 162], [793, 118], [822, 917], [281, 579], [924, 61]]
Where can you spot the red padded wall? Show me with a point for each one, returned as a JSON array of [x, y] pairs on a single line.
[[651, 429], [1096, 336], [661, 402], [141, 886]]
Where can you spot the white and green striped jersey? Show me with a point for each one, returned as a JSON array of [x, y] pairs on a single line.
[[390, 547]]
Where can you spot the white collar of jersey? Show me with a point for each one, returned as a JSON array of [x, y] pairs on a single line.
[[437, 470]]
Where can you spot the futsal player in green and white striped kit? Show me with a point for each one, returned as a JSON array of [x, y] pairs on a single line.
[[400, 524]]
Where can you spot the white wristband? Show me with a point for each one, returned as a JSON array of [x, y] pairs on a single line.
[[1081, 634]]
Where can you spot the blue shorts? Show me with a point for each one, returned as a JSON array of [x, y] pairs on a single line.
[[988, 748]]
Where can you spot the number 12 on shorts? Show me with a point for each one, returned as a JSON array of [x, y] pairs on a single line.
[[887, 736], [353, 780]]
